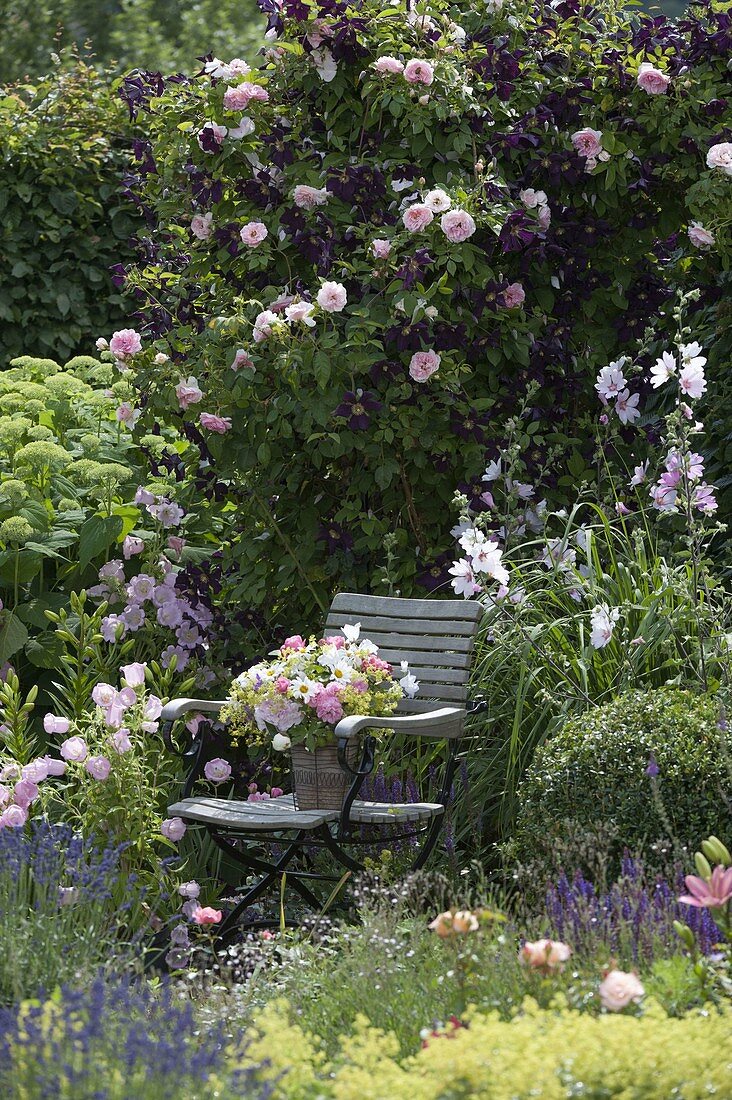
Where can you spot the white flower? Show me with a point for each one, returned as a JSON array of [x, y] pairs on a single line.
[[438, 200], [471, 539], [603, 620], [662, 370], [325, 64], [409, 685], [244, 129], [463, 582], [611, 380], [558, 555], [492, 470], [332, 297], [304, 689], [691, 355], [639, 473], [487, 559], [302, 312], [626, 406], [351, 631], [281, 742], [263, 325], [691, 379]]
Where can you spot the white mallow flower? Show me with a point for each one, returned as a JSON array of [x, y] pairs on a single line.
[[487, 559], [603, 620], [492, 470], [639, 473], [691, 355], [351, 631], [626, 406], [464, 582], [662, 369], [304, 689], [611, 380], [471, 539], [366, 647], [281, 742], [408, 683]]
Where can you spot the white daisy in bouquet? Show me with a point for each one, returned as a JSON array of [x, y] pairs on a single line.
[[303, 692]]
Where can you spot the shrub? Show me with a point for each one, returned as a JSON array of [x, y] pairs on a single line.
[[352, 446], [649, 763], [64, 221]]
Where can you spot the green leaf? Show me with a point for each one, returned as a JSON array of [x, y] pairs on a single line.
[[96, 535], [44, 651], [13, 635]]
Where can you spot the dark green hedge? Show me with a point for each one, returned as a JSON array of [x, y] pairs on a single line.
[[63, 221]]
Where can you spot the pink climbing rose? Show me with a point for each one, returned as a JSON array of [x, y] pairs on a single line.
[[423, 365], [125, 343]]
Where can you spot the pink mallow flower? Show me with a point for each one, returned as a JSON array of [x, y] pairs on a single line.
[[423, 365], [703, 894], [457, 225], [418, 71], [652, 80], [213, 423], [587, 142], [98, 767], [253, 233], [188, 392], [206, 915], [125, 343]]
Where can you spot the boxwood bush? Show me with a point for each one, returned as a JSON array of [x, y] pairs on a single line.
[[599, 768]]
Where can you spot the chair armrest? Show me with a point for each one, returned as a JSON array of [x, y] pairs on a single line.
[[176, 708], [446, 722]]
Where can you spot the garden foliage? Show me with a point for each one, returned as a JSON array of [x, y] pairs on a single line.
[[363, 345], [64, 218]]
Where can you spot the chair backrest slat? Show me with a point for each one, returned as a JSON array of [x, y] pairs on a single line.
[[436, 638]]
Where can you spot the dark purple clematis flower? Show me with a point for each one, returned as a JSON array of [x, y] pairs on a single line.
[[435, 573], [468, 424], [335, 536], [356, 407], [518, 232], [414, 267]]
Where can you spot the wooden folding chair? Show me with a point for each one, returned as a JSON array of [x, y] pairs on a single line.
[[436, 638]]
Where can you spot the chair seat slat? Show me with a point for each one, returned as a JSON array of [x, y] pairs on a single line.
[[458, 610]]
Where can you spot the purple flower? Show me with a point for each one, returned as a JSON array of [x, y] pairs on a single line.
[[652, 770], [355, 408], [173, 828], [98, 767], [336, 537]]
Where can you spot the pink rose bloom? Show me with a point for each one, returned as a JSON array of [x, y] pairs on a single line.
[[618, 989], [699, 236], [98, 767], [381, 249], [300, 312], [544, 217], [132, 546], [253, 233], [125, 343], [418, 72], [202, 226], [239, 98], [26, 791], [121, 742], [241, 359], [457, 225], [417, 217], [74, 749], [218, 424], [514, 296], [207, 915], [218, 133], [134, 674], [263, 325], [652, 80], [276, 792], [189, 889], [14, 817], [389, 66], [173, 828], [217, 770], [720, 156], [423, 365], [188, 392], [545, 955], [296, 641], [328, 707], [307, 198], [282, 685], [332, 297], [53, 723], [587, 142]]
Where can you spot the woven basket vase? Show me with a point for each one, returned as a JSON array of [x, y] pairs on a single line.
[[318, 780]]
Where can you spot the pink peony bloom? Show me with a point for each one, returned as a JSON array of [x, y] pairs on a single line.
[[26, 791], [457, 225], [125, 343], [332, 297], [514, 296], [328, 707], [132, 546], [188, 392], [381, 248], [75, 750], [307, 198], [417, 71], [173, 828], [218, 424], [98, 767], [202, 226], [619, 989], [263, 325], [423, 365], [120, 740], [720, 156], [417, 217], [134, 674], [587, 142], [700, 237], [652, 80], [548, 956], [253, 233], [388, 66], [703, 894], [207, 915], [14, 817], [217, 770], [53, 723]]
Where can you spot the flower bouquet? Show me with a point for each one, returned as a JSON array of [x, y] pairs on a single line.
[[296, 699]]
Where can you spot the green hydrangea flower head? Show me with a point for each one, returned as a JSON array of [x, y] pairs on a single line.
[[16, 531]]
